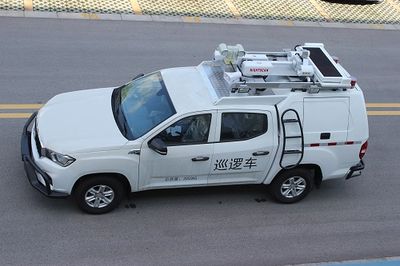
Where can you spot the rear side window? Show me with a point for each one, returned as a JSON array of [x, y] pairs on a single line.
[[242, 126]]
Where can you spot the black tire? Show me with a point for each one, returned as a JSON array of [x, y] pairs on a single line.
[[109, 194], [287, 187]]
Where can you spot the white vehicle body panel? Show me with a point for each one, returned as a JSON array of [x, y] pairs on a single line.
[[332, 116], [176, 169], [111, 161], [82, 121], [234, 161]]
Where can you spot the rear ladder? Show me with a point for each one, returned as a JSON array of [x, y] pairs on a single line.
[[290, 118]]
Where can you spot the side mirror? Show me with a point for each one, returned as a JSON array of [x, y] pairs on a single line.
[[158, 146]]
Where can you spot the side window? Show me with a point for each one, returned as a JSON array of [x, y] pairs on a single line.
[[242, 126], [189, 130]]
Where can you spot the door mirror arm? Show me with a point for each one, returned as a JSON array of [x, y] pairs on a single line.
[[158, 145]]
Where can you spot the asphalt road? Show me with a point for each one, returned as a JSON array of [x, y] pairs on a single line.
[[343, 220]]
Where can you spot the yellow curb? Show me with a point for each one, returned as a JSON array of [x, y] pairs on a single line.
[[136, 7], [381, 113], [288, 23], [191, 19], [383, 105], [376, 26], [320, 9], [19, 106], [232, 8], [28, 5], [90, 16], [15, 115]]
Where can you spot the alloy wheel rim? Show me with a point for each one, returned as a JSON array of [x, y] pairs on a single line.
[[99, 196], [293, 187]]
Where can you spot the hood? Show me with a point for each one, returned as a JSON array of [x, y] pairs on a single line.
[[80, 121]]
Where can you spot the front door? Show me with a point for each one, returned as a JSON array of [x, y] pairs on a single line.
[[188, 158], [246, 147]]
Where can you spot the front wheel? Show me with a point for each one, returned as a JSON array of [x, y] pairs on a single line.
[[99, 194], [292, 185]]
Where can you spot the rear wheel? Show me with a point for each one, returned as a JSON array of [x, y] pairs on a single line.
[[292, 185], [99, 194]]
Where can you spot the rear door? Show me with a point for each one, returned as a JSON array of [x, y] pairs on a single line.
[[245, 147]]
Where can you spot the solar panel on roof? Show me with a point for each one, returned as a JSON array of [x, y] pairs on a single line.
[[322, 62]]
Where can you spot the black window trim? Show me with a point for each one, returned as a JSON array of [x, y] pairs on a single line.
[[238, 140], [191, 143]]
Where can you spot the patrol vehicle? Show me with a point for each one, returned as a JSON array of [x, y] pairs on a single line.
[[288, 119]]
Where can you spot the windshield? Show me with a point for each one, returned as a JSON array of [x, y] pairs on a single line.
[[141, 105]]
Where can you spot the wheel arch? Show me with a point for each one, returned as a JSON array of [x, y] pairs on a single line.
[[120, 177], [316, 172]]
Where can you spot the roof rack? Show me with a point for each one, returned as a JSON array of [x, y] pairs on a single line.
[[308, 67]]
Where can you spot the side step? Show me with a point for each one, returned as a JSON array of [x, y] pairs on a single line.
[[293, 137], [290, 121], [292, 152]]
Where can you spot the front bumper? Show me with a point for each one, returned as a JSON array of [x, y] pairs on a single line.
[[355, 170], [32, 169]]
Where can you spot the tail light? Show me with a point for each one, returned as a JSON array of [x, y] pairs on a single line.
[[363, 150], [353, 82]]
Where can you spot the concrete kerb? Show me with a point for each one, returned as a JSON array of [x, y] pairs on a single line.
[[306, 24], [162, 18], [109, 16], [133, 17], [7, 13], [40, 14], [65, 15], [331, 24], [390, 27], [185, 19], [213, 20]]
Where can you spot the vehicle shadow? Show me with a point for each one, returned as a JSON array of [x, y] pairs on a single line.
[[235, 194], [217, 194]]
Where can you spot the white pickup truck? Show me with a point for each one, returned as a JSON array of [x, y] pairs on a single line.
[[286, 119]]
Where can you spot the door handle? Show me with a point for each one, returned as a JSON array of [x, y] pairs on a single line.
[[200, 159], [260, 153], [134, 151]]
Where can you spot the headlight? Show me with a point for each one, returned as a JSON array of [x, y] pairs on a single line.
[[61, 159]]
